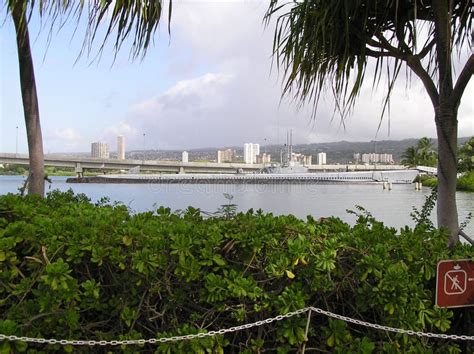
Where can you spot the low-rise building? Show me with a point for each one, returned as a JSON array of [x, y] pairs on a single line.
[[225, 155], [377, 158], [264, 158]]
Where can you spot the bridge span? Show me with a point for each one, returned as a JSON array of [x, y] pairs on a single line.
[[84, 163]]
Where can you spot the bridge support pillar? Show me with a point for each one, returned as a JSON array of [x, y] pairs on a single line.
[[79, 171]]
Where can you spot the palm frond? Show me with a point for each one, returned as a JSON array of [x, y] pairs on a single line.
[[123, 19], [325, 45]]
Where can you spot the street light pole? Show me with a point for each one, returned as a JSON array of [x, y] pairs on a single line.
[[16, 141], [144, 147]]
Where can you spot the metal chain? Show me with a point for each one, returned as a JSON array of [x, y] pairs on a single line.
[[229, 330], [391, 329]]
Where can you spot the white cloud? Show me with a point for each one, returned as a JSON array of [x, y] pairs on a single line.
[[238, 100], [123, 128], [177, 117], [63, 139]]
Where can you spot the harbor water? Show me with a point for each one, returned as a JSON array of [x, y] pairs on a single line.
[[393, 207]]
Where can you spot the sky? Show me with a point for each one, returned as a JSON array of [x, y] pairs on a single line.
[[208, 84]]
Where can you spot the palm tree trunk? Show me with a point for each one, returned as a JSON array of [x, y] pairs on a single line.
[[30, 103], [446, 123], [447, 128]]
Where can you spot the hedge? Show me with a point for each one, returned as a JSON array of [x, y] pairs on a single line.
[[72, 269]]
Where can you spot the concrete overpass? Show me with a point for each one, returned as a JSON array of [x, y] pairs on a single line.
[[85, 163]]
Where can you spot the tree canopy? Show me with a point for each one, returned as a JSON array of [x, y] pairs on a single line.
[[136, 19], [326, 46], [323, 45]]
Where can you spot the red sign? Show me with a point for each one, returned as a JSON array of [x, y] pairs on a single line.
[[455, 283]]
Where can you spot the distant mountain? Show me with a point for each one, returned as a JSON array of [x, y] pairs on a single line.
[[343, 151], [337, 152]]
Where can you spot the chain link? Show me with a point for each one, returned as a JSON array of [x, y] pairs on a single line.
[[232, 329]]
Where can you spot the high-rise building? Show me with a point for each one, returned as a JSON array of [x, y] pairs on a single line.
[[120, 147], [100, 150], [185, 157], [225, 155], [250, 152], [322, 158]]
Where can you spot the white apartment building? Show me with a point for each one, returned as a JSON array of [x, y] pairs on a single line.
[[250, 152], [377, 158], [370, 158], [120, 147], [322, 158], [185, 157], [386, 158], [100, 150]]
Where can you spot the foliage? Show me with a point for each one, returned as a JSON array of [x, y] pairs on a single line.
[[10, 169], [73, 269], [466, 182], [420, 155], [466, 156], [227, 210], [422, 216], [427, 180]]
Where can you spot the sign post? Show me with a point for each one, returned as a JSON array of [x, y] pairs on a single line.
[[455, 283]]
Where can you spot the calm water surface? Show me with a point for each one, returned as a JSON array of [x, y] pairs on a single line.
[[392, 207]]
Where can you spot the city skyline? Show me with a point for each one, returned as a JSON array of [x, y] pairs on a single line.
[[191, 91]]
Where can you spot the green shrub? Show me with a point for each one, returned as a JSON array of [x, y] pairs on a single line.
[[76, 270], [466, 182], [427, 181], [9, 169]]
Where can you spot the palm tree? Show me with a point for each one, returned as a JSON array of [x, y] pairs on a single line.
[[410, 157], [125, 18], [427, 156], [420, 155], [466, 156], [323, 45], [30, 98]]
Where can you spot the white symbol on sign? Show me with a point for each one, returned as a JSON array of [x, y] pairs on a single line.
[[455, 281]]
